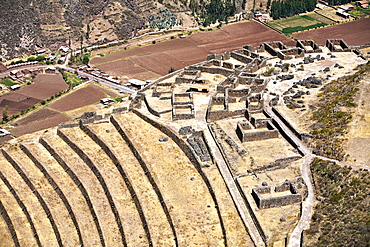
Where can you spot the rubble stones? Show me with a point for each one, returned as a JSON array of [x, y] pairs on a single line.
[[186, 130], [163, 139]]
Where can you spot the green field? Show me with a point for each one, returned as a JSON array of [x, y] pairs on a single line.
[[300, 23], [8, 82]]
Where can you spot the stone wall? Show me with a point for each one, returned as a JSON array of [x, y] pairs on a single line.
[[290, 53], [315, 47], [333, 44], [242, 130], [187, 95], [228, 82], [212, 70], [240, 57], [182, 116], [187, 76]]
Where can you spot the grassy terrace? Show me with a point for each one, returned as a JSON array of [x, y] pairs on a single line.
[[155, 217], [342, 212], [300, 23], [70, 190], [188, 200]]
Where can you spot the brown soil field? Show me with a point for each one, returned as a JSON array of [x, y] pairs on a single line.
[[44, 86], [43, 119], [159, 63], [82, 97], [122, 67], [179, 53], [353, 33]]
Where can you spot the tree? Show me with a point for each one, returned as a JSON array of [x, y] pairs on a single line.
[[5, 113], [171, 70], [85, 59]]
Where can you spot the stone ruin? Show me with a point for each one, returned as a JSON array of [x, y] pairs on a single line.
[[337, 45], [265, 199], [256, 130], [309, 46]]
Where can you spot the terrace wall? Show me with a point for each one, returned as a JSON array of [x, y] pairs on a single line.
[[242, 58], [212, 70]]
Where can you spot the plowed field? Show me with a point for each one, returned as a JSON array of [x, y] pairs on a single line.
[[178, 53], [354, 33]]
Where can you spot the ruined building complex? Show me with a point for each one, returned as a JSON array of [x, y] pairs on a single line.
[[182, 165]]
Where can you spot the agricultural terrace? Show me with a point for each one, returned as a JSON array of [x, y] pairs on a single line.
[[300, 23]]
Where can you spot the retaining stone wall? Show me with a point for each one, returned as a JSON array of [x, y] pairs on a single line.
[[287, 123], [146, 171], [212, 70], [127, 181], [242, 58], [4, 214]]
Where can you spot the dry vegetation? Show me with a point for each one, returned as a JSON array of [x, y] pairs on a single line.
[[333, 114], [342, 212]]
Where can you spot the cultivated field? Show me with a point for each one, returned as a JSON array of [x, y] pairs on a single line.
[[43, 119], [44, 86], [82, 97], [354, 33], [300, 23], [62, 110], [178, 53]]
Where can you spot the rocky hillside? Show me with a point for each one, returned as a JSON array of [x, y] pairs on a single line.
[[25, 24]]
